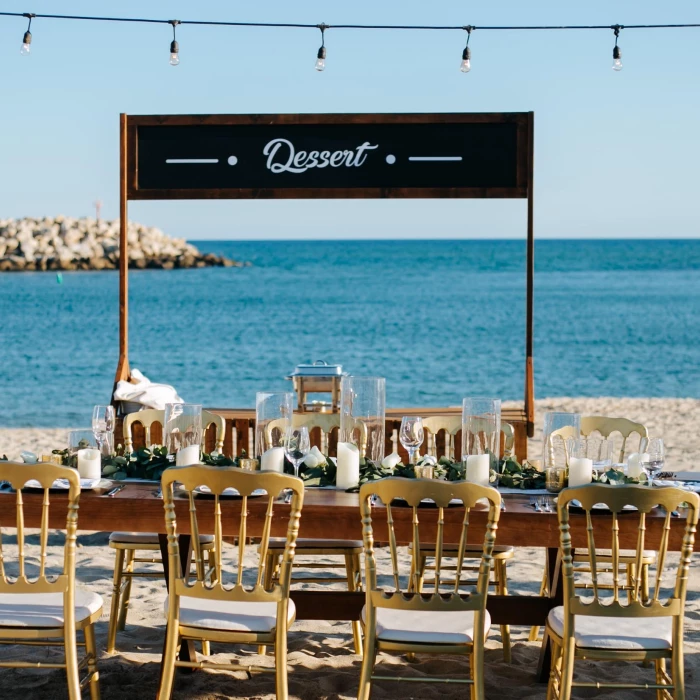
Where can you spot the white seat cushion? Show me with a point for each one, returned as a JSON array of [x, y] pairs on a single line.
[[44, 609], [230, 616], [426, 627], [616, 632], [147, 538]]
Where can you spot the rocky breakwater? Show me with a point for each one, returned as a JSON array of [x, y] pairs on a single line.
[[64, 243]]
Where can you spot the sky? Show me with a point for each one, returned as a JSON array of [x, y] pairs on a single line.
[[616, 154]]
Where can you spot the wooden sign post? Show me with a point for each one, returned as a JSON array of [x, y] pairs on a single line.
[[327, 156]]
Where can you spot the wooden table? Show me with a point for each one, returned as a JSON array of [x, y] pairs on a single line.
[[327, 512]]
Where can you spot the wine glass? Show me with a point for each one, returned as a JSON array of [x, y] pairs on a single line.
[[411, 435], [297, 446], [103, 427], [652, 458]]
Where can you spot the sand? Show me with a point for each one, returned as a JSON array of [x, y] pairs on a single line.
[[321, 661]]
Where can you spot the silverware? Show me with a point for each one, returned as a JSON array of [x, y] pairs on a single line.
[[113, 492], [158, 493], [675, 514], [503, 506], [536, 504]]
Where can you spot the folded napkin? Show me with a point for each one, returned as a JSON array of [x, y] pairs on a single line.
[[145, 392]]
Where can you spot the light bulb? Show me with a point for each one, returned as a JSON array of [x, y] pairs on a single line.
[[617, 64], [174, 59], [174, 53], [321, 59], [26, 44], [466, 65]]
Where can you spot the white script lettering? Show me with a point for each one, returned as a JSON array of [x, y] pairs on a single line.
[[283, 158]]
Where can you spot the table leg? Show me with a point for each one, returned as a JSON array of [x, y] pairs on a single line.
[[555, 588], [187, 650]]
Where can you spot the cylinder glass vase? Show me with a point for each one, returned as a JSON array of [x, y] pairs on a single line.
[[273, 418], [481, 438], [559, 428], [182, 432], [362, 415]]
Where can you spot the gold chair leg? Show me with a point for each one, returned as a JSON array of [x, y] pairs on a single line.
[[281, 681], [535, 630], [677, 671], [567, 670], [477, 670], [503, 590], [72, 674], [167, 674], [114, 611], [126, 594], [351, 571], [91, 651], [206, 649], [368, 660], [270, 566], [553, 685]]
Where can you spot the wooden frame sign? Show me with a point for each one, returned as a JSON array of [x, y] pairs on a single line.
[[325, 156]]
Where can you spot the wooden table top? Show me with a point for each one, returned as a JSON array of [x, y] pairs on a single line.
[[329, 514]]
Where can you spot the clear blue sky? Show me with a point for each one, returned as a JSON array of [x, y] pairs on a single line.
[[617, 154]]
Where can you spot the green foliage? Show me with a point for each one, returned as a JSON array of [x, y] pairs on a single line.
[[514, 475]]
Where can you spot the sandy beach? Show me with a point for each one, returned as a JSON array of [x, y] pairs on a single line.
[[321, 660]]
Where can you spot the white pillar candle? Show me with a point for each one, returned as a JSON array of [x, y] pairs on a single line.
[[89, 464], [187, 456], [348, 471], [634, 467], [580, 471], [273, 460], [478, 467]]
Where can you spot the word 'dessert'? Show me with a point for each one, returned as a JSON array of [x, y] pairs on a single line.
[[283, 158]]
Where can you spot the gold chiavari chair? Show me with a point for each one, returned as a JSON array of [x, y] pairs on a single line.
[[447, 620], [128, 544], [47, 610], [610, 627], [502, 554], [348, 550], [249, 612], [605, 427]]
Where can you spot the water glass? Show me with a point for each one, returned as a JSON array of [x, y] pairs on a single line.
[[558, 428], [297, 446], [653, 457], [103, 427], [182, 427], [411, 435], [81, 440], [273, 419], [362, 415]]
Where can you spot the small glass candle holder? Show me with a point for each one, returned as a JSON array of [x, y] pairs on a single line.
[[555, 479], [427, 472], [249, 464]]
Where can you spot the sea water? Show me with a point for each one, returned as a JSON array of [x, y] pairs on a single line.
[[439, 319]]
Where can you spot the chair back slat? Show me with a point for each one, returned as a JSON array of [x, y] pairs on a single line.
[[20, 533], [245, 580], [461, 549], [459, 497], [451, 426], [44, 535], [646, 501], [607, 426]]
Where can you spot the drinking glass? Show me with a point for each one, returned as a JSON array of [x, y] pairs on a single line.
[[103, 427], [297, 446], [182, 426], [81, 439], [362, 415], [555, 479], [411, 435], [652, 457], [600, 450], [481, 427], [558, 428], [273, 418]]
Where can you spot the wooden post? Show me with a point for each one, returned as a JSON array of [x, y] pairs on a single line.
[[123, 370], [529, 322]]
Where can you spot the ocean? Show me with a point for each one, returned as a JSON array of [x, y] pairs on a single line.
[[439, 319]]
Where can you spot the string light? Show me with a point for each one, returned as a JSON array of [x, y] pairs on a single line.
[[174, 46], [321, 55], [27, 39], [466, 64], [617, 54]]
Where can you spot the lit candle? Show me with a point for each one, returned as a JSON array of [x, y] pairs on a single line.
[[478, 467], [580, 471], [273, 460], [348, 471], [634, 467], [89, 464], [187, 455]]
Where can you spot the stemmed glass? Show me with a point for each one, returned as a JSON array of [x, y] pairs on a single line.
[[652, 458], [297, 446], [103, 426], [411, 435]]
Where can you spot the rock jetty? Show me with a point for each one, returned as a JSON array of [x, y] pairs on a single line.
[[64, 243]]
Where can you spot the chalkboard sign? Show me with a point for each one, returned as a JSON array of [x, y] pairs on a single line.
[[327, 156]]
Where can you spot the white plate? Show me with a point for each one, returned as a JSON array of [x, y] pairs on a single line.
[[602, 506], [230, 491], [63, 485]]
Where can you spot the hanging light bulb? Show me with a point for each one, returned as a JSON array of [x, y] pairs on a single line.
[[617, 54], [174, 46], [321, 55], [466, 65], [27, 39]]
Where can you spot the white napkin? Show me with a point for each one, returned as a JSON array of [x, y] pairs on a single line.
[[145, 392]]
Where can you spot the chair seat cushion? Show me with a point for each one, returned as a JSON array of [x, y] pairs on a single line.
[[147, 538], [231, 616], [628, 633], [307, 543], [427, 627], [44, 609]]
